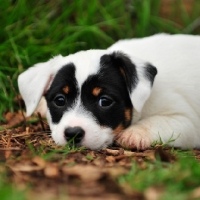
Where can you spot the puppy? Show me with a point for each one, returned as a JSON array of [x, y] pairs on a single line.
[[97, 96]]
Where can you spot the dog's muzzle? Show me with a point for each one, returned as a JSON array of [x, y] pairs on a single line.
[[74, 133]]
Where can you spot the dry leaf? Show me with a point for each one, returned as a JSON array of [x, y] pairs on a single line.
[[110, 159], [129, 153], [115, 171], [14, 119], [195, 194], [85, 172], [51, 171], [39, 161], [112, 152], [25, 167], [153, 193]]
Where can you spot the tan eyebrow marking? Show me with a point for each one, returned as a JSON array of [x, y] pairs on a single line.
[[66, 89], [128, 114], [96, 91], [118, 129]]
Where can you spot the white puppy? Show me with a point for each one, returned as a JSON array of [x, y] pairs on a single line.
[[96, 96]]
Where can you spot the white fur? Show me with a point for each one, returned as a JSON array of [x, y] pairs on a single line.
[[173, 109], [170, 111], [96, 137]]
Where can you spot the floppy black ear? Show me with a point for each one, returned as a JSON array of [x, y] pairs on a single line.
[[139, 76]]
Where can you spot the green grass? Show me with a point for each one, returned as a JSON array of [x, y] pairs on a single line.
[[178, 179], [8, 191], [34, 31]]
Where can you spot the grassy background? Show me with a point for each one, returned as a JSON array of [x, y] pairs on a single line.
[[34, 31]]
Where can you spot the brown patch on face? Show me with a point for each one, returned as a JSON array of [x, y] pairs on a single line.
[[66, 89], [96, 91], [118, 129], [128, 115]]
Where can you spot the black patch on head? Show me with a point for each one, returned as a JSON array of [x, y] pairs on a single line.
[[64, 77], [150, 72], [114, 86]]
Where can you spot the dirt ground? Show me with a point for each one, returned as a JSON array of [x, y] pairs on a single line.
[[31, 159]]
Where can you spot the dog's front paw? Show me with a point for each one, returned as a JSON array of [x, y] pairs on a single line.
[[135, 137]]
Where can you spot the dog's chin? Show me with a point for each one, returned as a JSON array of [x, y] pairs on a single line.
[[104, 139], [95, 142], [96, 137], [90, 146]]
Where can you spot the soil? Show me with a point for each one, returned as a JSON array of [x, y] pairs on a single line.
[[31, 159]]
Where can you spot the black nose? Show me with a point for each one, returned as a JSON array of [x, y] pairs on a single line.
[[76, 133]]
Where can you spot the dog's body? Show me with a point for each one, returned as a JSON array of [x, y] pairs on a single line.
[[99, 95]]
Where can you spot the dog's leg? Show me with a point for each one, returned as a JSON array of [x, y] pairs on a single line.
[[159, 128]]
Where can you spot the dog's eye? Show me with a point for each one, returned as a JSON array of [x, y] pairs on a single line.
[[59, 100], [105, 102]]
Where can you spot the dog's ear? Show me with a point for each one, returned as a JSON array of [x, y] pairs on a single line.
[[139, 77], [34, 82]]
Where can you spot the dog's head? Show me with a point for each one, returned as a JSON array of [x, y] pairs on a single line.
[[91, 95]]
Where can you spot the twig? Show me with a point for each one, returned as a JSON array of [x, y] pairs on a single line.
[[10, 148], [41, 121], [9, 139], [26, 135]]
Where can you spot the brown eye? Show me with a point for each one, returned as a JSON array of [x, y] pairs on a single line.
[[105, 102], [59, 100]]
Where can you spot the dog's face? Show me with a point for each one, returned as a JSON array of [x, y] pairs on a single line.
[[91, 95]]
